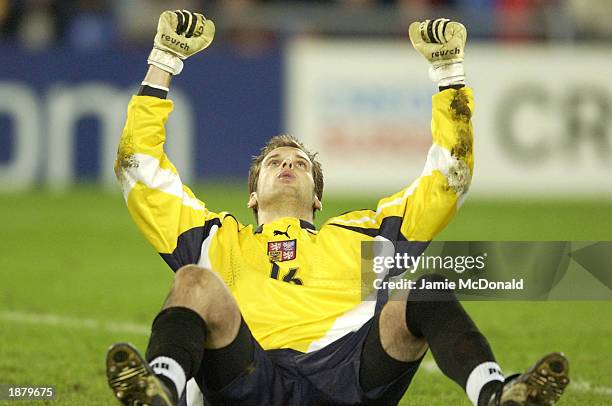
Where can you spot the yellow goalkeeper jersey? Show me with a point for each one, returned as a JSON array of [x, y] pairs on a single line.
[[297, 287]]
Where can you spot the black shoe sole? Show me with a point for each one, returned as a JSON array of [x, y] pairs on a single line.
[[542, 385], [132, 380]]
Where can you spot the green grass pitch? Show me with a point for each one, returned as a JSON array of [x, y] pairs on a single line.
[[76, 276]]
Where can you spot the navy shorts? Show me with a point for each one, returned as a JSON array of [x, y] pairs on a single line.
[[329, 376]]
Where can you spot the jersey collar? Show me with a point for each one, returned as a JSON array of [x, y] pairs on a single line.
[[303, 224]]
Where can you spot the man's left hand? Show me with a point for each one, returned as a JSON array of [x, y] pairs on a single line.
[[442, 43]]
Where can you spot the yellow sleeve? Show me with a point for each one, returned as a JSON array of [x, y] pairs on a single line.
[[425, 207], [172, 219]]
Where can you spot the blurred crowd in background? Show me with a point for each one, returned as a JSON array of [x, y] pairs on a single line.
[[96, 24]]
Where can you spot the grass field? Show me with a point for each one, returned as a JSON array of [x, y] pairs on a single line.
[[76, 276]]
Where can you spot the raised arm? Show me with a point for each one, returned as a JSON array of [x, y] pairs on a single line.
[[430, 202], [425, 207], [419, 211], [173, 220]]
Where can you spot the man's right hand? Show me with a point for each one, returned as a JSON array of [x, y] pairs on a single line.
[[180, 34]]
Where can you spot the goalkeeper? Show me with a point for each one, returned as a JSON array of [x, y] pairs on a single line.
[[272, 314]]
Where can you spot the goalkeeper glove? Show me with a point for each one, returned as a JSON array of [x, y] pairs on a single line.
[[180, 34], [441, 42]]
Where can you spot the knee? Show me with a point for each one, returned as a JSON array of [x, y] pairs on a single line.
[[193, 277], [209, 294], [393, 322], [397, 340]]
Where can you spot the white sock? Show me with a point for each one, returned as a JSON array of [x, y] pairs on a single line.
[[172, 370], [479, 377]]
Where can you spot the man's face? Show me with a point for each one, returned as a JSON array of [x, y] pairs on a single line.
[[286, 173]]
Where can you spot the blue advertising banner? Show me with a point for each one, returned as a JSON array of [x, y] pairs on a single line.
[[62, 111]]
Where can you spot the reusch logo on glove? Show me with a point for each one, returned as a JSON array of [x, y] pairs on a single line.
[[174, 41], [438, 54]]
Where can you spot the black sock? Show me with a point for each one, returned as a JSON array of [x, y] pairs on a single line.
[[378, 368], [221, 366], [178, 333], [455, 342]]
